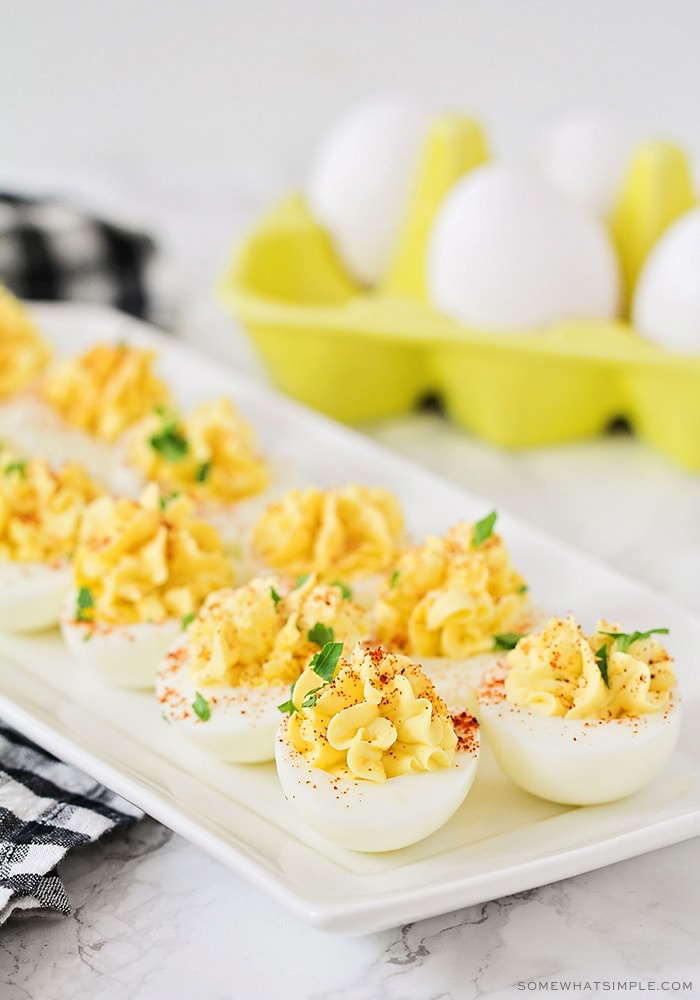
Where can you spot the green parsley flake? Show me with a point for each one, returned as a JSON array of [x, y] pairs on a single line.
[[344, 589], [188, 619], [19, 467], [623, 640], [601, 658], [320, 634], [200, 706], [324, 664], [84, 605], [275, 596], [393, 579], [203, 472], [506, 640], [287, 707], [164, 501], [170, 442], [483, 529]]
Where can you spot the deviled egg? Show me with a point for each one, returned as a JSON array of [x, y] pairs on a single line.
[[369, 754], [582, 719], [349, 533], [80, 406], [141, 569], [40, 514], [223, 680], [211, 456], [23, 350], [452, 599]]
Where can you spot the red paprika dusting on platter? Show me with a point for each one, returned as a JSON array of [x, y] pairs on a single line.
[[466, 729]]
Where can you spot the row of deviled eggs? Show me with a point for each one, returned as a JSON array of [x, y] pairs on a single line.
[[156, 598]]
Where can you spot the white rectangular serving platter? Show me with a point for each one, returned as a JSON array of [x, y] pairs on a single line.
[[501, 841]]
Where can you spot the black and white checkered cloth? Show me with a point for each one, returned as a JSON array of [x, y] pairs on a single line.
[[50, 251], [46, 808]]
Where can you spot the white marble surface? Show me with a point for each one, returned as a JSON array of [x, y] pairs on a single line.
[[190, 118]]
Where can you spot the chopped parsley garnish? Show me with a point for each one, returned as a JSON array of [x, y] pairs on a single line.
[[188, 619], [622, 641], [84, 605], [203, 471], [320, 634], [344, 589], [301, 579], [483, 529], [164, 501], [275, 596], [288, 707], [507, 640], [200, 707], [170, 442], [19, 467], [601, 658], [324, 664], [393, 579]]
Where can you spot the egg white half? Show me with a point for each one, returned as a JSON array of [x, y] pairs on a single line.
[[32, 594], [578, 761], [32, 428], [456, 681], [242, 721], [127, 655], [365, 816]]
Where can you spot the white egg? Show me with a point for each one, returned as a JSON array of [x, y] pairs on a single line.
[[239, 723], [508, 251], [126, 656], [586, 157], [363, 815], [578, 761], [360, 182], [32, 595], [666, 300], [31, 427]]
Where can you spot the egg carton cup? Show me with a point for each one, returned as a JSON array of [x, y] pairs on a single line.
[[362, 355]]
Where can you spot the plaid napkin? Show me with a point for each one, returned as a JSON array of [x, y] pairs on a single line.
[[50, 250], [46, 808]]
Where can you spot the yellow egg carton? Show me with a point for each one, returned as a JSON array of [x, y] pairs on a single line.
[[360, 355]]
